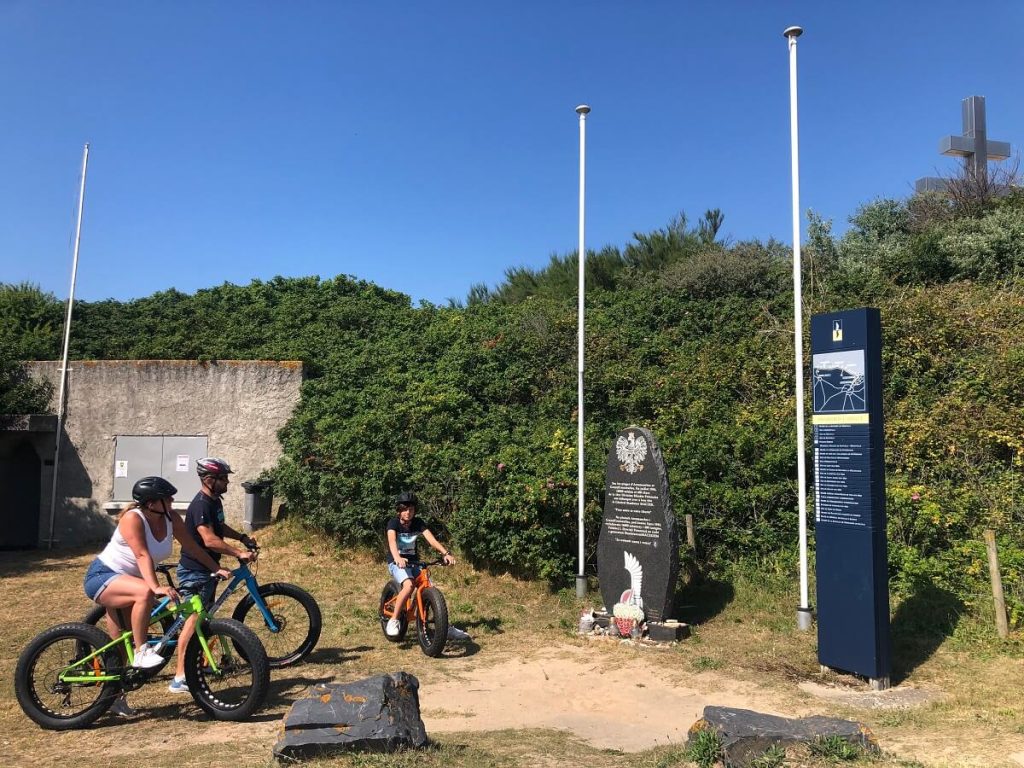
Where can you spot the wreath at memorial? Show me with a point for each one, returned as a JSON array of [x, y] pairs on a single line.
[[627, 616]]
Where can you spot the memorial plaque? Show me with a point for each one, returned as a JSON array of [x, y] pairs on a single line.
[[849, 492], [638, 552]]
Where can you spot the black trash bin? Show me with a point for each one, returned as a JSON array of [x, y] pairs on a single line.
[[259, 498]]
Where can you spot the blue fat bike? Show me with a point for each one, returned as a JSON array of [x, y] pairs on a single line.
[[285, 617]]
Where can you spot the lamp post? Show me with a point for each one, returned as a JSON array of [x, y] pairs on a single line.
[[803, 614], [581, 579]]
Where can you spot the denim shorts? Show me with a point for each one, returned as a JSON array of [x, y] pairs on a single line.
[[401, 574], [200, 583], [97, 579]]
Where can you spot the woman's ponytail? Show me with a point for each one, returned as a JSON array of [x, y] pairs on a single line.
[[127, 508]]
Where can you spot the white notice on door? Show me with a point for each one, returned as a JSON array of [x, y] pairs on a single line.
[[182, 464], [120, 469]]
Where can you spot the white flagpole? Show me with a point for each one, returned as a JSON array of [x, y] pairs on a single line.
[[64, 355], [581, 578], [803, 614]]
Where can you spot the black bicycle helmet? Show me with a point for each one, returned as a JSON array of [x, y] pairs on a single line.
[[212, 466], [151, 489], [406, 499]]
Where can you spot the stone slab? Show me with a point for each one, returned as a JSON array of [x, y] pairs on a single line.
[[746, 734], [900, 697], [377, 714], [667, 631]]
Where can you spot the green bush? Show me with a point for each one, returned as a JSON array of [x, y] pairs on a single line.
[[475, 407]]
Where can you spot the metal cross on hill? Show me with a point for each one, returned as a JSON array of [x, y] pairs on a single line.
[[973, 145]]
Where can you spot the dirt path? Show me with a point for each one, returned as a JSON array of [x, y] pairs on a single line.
[[629, 706]]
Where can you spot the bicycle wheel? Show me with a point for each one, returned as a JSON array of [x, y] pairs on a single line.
[[388, 595], [239, 686], [57, 705], [98, 617], [296, 615], [432, 627]]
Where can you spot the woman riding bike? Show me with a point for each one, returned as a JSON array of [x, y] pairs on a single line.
[[123, 575]]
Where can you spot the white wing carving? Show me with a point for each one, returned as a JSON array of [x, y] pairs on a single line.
[[636, 578]]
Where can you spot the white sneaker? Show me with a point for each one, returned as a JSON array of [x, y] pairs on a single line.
[[456, 634], [393, 628], [121, 708], [147, 658]]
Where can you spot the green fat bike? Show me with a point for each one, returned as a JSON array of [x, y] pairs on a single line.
[[70, 674]]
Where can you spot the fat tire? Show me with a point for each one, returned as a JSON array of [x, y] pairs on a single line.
[[433, 639], [26, 684], [314, 622], [389, 591], [97, 612], [248, 649]]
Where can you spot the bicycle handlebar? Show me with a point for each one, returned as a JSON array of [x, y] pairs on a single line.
[[424, 563]]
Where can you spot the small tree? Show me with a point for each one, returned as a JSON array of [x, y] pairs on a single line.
[[971, 193]]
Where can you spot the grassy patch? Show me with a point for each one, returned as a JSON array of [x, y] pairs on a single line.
[[834, 748], [773, 757], [705, 748], [705, 663]]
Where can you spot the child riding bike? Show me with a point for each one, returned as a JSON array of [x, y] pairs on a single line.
[[403, 531]]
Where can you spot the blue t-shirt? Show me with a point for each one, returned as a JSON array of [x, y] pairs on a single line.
[[406, 537], [203, 511]]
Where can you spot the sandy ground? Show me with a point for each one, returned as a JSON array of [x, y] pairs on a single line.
[[624, 700], [629, 706]]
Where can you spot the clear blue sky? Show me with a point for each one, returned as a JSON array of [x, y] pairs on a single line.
[[429, 146]]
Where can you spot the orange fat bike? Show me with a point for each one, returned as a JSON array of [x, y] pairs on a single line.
[[426, 605]]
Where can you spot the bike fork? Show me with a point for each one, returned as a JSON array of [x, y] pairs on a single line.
[[257, 598]]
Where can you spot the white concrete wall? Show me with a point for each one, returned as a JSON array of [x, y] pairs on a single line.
[[238, 404]]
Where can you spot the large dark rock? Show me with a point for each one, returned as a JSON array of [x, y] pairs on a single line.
[[639, 542], [378, 714], [746, 735]]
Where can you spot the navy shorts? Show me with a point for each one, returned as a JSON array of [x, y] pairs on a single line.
[[199, 583], [97, 579]]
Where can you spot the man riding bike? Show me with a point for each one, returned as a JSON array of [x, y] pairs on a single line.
[[205, 523]]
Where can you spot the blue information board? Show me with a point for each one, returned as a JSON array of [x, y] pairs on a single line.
[[849, 493]]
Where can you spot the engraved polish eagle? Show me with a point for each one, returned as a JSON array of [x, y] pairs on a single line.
[[631, 451]]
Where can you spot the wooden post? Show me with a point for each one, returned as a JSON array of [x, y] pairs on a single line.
[[997, 584], [691, 535]]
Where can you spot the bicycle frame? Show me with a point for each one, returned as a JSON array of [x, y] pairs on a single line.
[[241, 574], [192, 606], [414, 605]]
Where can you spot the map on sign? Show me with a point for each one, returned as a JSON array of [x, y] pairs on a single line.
[[839, 382]]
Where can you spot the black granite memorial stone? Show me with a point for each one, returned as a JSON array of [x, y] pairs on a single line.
[[638, 551]]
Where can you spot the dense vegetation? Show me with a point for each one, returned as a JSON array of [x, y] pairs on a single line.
[[474, 404]]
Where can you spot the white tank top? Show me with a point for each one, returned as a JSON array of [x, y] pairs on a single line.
[[119, 558]]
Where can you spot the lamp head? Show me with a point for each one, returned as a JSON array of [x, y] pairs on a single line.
[[582, 109], [793, 32]]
